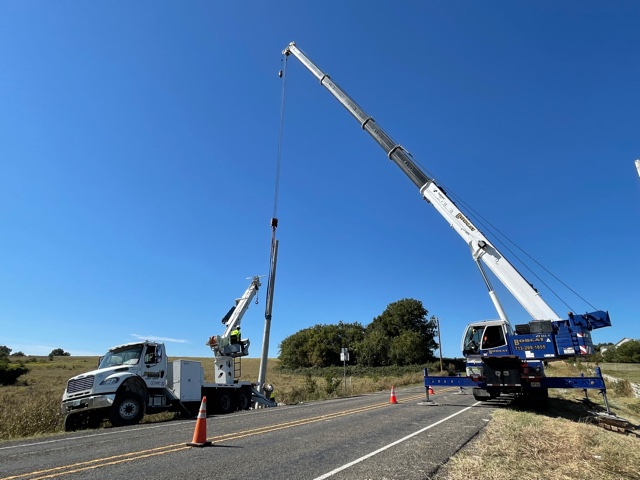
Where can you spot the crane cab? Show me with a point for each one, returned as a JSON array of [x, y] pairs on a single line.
[[487, 338]]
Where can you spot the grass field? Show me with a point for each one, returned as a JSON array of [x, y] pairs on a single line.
[[553, 445], [625, 371]]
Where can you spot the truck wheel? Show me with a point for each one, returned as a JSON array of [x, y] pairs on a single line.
[[128, 409], [94, 420], [72, 422], [244, 400], [226, 403]]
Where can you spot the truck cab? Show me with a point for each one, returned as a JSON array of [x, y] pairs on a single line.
[[128, 377]]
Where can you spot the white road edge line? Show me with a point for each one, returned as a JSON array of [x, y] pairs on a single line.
[[369, 455]]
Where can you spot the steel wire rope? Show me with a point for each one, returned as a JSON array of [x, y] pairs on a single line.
[[497, 232], [282, 74], [488, 226], [274, 219]]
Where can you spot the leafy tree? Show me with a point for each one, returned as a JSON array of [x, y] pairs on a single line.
[[58, 352], [373, 350], [4, 353], [320, 345], [628, 352], [401, 335], [18, 354]]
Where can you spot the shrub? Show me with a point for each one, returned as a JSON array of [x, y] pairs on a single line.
[[9, 373]]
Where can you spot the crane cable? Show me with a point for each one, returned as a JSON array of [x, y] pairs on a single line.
[[283, 76], [274, 218]]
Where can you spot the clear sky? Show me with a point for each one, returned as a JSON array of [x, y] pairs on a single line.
[[138, 144]]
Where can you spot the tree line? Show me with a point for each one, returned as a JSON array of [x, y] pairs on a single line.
[[401, 335], [628, 352]]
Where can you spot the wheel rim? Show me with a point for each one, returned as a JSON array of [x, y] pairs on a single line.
[[128, 409]]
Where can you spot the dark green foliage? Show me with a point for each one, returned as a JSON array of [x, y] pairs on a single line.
[[320, 345], [58, 352], [331, 384], [4, 353], [18, 354], [628, 352], [9, 373], [401, 335]]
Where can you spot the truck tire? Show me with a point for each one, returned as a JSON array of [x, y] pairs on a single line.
[[244, 400], [82, 421], [128, 409], [226, 402], [72, 422]]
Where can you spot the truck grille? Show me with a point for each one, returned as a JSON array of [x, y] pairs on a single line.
[[79, 384]]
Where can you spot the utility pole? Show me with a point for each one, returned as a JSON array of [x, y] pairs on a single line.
[[437, 322]]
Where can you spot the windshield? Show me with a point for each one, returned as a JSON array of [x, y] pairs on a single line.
[[471, 343], [129, 355]]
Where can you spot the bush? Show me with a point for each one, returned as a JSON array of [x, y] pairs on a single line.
[[331, 384], [622, 388], [9, 373]]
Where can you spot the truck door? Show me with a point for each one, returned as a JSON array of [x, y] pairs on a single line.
[[154, 366]]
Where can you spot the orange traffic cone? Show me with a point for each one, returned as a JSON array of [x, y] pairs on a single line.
[[431, 392], [200, 433], [393, 396]]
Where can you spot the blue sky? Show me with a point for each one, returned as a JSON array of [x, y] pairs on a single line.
[[138, 145]]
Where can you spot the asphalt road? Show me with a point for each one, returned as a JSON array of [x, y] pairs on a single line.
[[363, 437]]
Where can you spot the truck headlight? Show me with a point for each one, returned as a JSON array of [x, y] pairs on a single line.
[[110, 381]]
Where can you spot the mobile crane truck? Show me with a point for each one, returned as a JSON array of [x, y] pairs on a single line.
[[136, 379], [499, 359]]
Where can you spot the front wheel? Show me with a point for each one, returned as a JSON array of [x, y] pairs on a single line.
[[72, 422], [82, 421], [128, 409]]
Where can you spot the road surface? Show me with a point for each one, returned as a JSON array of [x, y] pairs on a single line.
[[364, 437]]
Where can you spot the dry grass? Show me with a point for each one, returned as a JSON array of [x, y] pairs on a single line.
[[32, 407], [525, 445], [555, 445]]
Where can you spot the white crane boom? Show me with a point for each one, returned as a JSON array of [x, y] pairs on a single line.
[[481, 247]]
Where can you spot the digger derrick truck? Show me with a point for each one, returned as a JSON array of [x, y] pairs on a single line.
[[499, 359], [136, 379]]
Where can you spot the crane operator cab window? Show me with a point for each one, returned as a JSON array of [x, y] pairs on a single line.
[[472, 340], [480, 337], [493, 337]]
